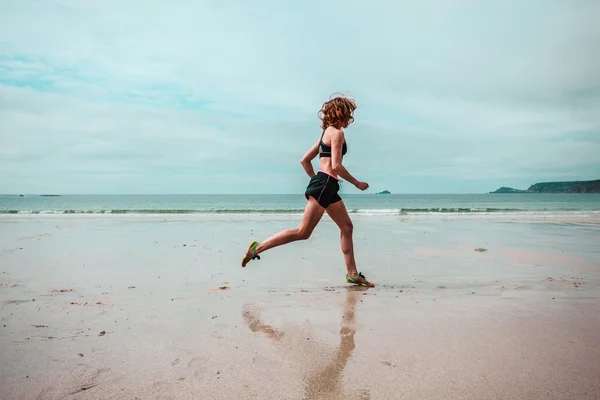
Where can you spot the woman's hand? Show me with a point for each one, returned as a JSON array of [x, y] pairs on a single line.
[[362, 185]]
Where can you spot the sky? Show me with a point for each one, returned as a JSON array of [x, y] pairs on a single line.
[[148, 96]]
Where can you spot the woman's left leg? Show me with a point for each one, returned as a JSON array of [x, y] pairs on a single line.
[[312, 215]]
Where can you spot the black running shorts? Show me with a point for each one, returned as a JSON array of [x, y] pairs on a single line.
[[324, 188]]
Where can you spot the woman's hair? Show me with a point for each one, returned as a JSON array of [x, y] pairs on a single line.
[[338, 111]]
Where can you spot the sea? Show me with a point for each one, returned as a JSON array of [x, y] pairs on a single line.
[[368, 204]]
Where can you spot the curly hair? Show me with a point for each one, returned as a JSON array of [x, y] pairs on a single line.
[[338, 112]]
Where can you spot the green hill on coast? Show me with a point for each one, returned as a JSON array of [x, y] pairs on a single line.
[[557, 187]]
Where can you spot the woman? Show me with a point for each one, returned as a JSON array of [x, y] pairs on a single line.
[[322, 191]]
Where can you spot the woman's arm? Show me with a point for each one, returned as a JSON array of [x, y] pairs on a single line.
[[308, 157], [337, 141]]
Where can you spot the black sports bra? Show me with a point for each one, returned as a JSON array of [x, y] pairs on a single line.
[[325, 151]]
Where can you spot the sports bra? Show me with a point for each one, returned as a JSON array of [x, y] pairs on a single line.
[[325, 151]]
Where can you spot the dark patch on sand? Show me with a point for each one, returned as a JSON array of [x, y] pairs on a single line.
[[15, 301], [61, 290], [252, 319]]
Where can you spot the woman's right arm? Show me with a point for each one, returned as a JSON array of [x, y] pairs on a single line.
[[337, 141]]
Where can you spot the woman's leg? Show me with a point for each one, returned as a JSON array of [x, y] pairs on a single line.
[[312, 215], [338, 213]]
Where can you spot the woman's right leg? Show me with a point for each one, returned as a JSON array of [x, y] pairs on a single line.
[[338, 213], [312, 215]]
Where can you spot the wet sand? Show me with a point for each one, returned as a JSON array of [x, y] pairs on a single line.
[[158, 307]]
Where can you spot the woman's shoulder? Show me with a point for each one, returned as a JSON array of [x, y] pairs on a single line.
[[332, 130]]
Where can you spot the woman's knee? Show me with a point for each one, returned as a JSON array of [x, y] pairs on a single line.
[[303, 233], [347, 228]]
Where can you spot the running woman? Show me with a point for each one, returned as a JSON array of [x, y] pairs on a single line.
[[322, 190]]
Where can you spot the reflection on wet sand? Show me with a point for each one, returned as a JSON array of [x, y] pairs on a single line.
[[324, 383], [327, 383]]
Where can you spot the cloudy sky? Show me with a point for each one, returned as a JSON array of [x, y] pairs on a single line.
[[148, 96]]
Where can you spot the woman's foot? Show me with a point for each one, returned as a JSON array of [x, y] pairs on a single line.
[[250, 253], [359, 279]]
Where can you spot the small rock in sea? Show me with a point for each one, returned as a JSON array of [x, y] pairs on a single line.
[[184, 245], [102, 333], [80, 354], [479, 249], [214, 316], [441, 287], [130, 287]]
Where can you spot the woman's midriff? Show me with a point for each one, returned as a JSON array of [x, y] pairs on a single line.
[[325, 167]]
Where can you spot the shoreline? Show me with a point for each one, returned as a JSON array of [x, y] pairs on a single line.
[[588, 216]]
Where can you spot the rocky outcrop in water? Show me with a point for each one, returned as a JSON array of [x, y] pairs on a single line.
[[557, 187]]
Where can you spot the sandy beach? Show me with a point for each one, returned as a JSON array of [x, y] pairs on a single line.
[[158, 307]]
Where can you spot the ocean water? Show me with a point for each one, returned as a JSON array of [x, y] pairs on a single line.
[[372, 204]]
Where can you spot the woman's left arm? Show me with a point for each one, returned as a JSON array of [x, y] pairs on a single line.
[[308, 157]]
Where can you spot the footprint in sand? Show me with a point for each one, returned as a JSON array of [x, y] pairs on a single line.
[[208, 376], [164, 390], [364, 395], [199, 365]]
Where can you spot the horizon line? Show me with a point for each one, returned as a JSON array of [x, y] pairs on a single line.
[[51, 194]]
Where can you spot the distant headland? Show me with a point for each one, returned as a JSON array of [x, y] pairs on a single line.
[[384, 192], [557, 187]]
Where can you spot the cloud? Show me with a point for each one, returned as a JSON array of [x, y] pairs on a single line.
[[216, 97]]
